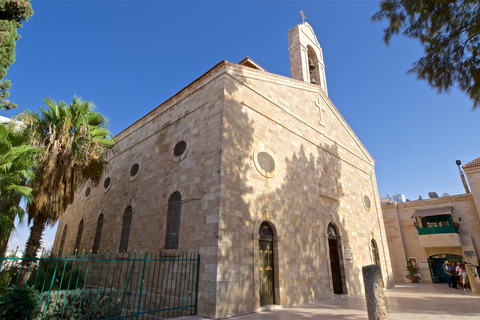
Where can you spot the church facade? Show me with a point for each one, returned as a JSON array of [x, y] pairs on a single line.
[[259, 173]]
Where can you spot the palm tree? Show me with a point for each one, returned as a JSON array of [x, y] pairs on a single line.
[[75, 140], [17, 163]]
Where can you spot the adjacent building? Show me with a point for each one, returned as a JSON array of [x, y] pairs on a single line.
[[430, 231], [392, 199], [258, 172]]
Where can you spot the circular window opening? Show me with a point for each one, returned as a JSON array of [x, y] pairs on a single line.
[[134, 170], [367, 203], [107, 182], [266, 161], [87, 192], [179, 148]]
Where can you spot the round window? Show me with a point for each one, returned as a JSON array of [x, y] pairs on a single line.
[[266, 161], [88, 191], [134, 170], [106, 183], [367, 203], [179, 148]]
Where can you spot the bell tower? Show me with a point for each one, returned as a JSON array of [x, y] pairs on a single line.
[[306, 58]]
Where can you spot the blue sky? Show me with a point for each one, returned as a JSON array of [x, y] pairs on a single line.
[[130, 56]]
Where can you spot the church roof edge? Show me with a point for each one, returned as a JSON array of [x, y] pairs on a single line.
[[205, 74], [250, 63]]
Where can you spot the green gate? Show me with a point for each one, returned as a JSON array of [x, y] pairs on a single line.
[[109, 286], [435, 263]]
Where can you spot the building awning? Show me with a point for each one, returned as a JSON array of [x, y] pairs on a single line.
[[432, 212]]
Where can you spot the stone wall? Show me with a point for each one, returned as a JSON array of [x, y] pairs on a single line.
[[227, 116], [473, 175], [194, 115], [403, 238], [322, 173]]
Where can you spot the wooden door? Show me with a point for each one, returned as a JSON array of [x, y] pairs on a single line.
[[335, 266]]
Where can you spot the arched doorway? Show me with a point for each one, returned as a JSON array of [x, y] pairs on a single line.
[[375, 256], [265, 264], [333, 246]]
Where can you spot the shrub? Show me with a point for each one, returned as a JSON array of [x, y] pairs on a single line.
[[412, 270], [47, 271], [88, 304], [17, 302], [8, 276]]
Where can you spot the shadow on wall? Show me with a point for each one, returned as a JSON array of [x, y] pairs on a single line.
[[235, 281], [302, 208], [299, 202]]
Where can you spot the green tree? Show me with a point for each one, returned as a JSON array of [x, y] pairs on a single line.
[[17, 163], [12, 14], [449, 32], [75, 140]]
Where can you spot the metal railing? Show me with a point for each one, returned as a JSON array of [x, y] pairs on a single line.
[[435, 230], [108, 285]]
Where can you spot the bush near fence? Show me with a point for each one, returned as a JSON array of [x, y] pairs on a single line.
[[45, 273], [18, 302], [79, 304], [110, 286]]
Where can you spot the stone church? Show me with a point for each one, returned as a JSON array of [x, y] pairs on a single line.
[[258, 172]]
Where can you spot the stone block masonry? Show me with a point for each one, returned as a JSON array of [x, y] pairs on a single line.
[[278, 195]]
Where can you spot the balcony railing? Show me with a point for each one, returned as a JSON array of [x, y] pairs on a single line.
[[435, 230]]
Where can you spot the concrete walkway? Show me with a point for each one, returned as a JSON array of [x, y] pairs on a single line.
[[407, 301]]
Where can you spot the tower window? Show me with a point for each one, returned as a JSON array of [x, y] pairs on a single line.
[[313, 66]]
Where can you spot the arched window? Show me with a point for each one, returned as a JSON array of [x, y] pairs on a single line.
[[126, 225], [62, 242], [173, 220], [332, 232], [313, 66], [79, 236], [266, 265], [98, 234], [375, 256], [266, 231]]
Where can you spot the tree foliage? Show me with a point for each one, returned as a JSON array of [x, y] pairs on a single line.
[[449, 32], [12, 14], [17, 163], [75, 140]]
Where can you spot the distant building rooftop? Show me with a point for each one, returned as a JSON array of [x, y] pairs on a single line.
[[473, 163], [392, 199]]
